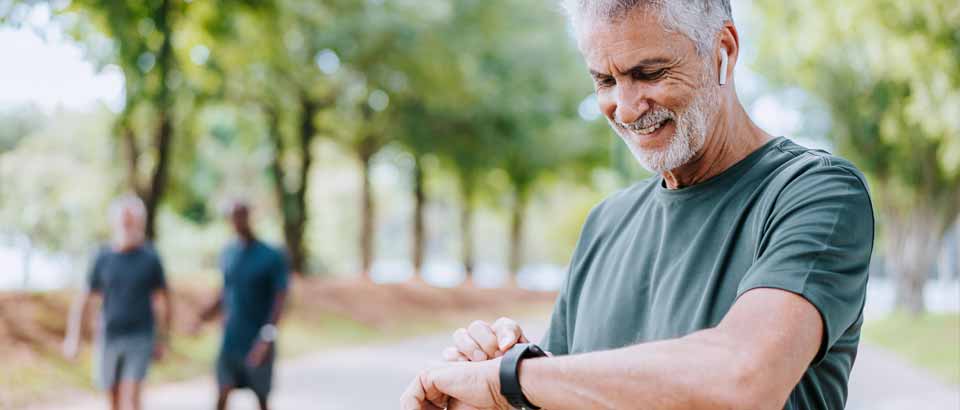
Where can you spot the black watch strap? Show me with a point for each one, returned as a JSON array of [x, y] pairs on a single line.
[[510, 376]]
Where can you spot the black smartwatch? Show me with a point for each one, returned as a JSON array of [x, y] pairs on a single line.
[[510, 377]]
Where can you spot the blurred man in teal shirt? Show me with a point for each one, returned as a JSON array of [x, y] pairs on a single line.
[[254, 289]]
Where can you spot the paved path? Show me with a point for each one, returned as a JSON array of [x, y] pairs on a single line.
[[373, 378], [883, 381]]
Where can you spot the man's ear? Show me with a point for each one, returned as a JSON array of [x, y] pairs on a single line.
[[729, 46]]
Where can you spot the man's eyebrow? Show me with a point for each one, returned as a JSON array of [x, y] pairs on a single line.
[[647, 62]]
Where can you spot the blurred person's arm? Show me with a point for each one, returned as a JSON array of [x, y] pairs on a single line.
[[260, 350], [280, 282], [163, 309], [78, 312], [81, 307], [212, 310]]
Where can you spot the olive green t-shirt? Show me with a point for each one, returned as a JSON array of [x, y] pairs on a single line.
[[654, 263]]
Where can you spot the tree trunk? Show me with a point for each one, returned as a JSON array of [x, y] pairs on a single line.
[[366, 209], [466, 227], [164, 138], [516, 232], [293, 208], [133, 154], [158, 181], [914, 239], [419, 237]]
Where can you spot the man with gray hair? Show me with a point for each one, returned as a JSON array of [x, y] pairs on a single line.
[[129, 277], [734, 278]]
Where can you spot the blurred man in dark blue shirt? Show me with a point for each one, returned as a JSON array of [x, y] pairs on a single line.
[[254, 289], [128, 276]]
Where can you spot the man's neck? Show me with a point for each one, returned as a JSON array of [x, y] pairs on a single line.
[[246, 238], [733, 137], [125, 244]]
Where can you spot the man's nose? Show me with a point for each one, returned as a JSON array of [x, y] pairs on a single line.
[[631, 105]]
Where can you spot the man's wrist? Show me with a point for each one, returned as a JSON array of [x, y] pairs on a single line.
[[526, 373], [493, 375], [268, 333], [511, 387]]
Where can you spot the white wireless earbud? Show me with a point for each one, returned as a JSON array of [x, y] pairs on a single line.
[[723, 65]]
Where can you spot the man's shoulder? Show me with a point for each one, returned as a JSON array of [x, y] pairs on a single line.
[[150, 251], [806, 166]]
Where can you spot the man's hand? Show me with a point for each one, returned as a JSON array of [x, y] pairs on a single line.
[[160, 350], [259, 352], [71, 345], [469, 385], [482, 341], [195, 328]]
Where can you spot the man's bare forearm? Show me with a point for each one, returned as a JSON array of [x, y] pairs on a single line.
[[751, 360], [278, 305], [701, 371], [212, 309], [78, 312], [166, 312]]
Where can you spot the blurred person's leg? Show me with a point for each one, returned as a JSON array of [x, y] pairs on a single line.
[[262, 401], [260, 379], [137, 353], [114, 393], [130, 394], [222, 395], [107, 368], [226, 380]]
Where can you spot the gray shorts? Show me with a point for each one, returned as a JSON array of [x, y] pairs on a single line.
[[123, 358], [233, 371]]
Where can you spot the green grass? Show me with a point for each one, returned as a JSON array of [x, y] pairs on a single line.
[[930, 341]]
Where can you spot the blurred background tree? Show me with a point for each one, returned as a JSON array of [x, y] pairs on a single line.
[[889, 73], [235, 98]]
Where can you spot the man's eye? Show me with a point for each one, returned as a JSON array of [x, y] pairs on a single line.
[[605, 81], [649, 75]]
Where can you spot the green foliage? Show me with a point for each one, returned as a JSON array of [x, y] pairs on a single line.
[[18, 123], [890, 73], [245, 89]]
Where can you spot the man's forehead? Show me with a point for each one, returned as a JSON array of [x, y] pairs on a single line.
[[637, 39]]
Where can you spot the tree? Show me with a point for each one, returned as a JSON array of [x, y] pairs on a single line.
[[266, 54], [375, 42], [892, 86], [142, 33]]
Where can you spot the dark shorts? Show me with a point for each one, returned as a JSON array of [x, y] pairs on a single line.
[[123, 358], [233, 371]]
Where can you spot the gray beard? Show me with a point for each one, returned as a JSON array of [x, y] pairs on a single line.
[[688, 139]]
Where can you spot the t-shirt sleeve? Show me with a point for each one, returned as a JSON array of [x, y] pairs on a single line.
[[94, 276], [817, 244]]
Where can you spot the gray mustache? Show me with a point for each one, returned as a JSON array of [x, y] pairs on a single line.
[[647, 120]]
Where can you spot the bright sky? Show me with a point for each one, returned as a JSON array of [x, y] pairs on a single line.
[[52, 72]]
